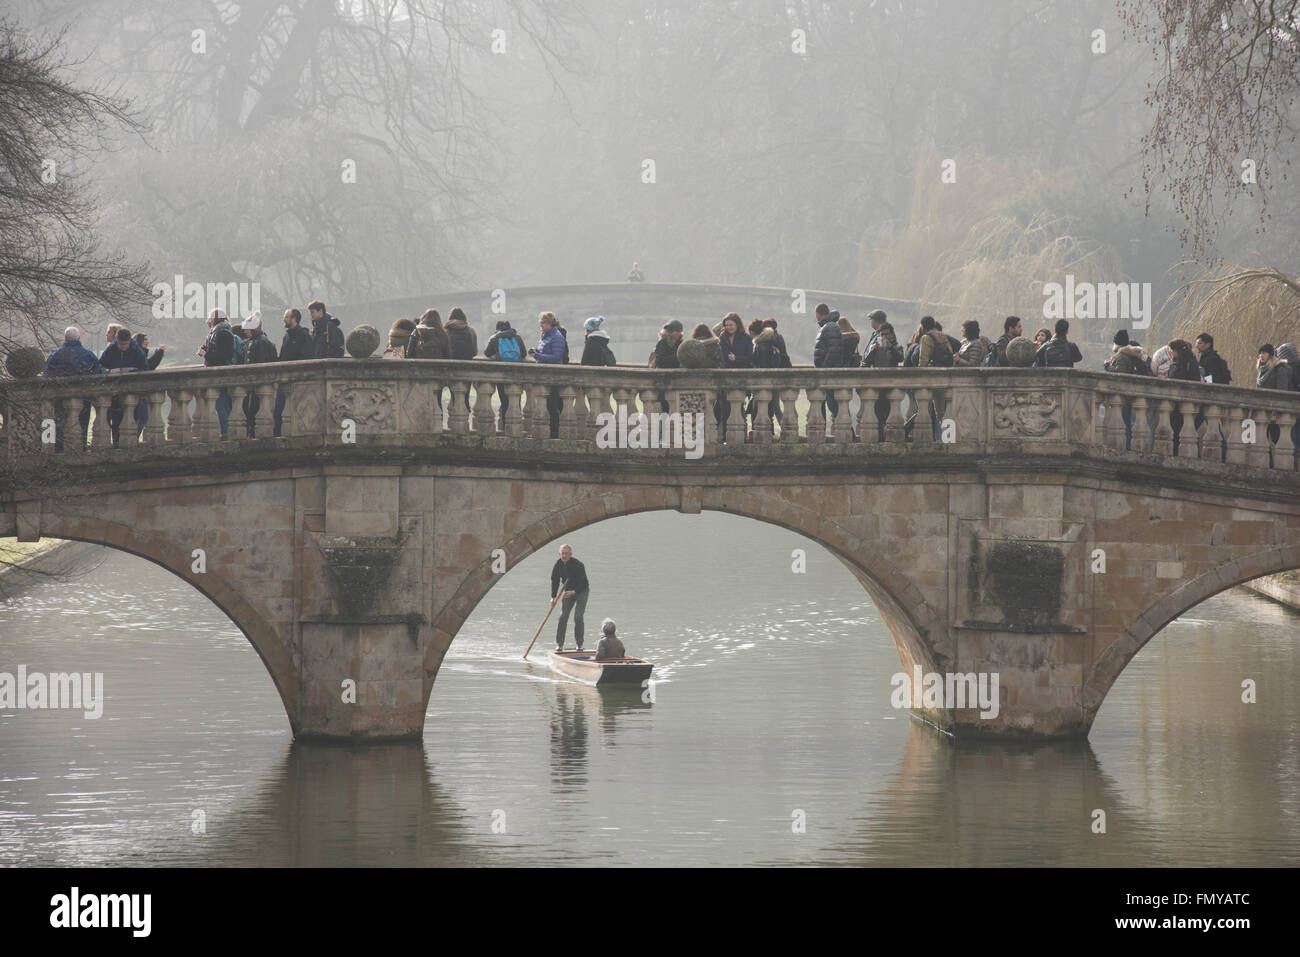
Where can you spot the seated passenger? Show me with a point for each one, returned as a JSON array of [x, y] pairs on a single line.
[[609, 646]]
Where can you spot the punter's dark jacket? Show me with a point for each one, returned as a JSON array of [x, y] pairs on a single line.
[[574, 574]]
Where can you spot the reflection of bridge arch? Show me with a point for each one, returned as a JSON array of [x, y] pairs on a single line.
[[911, 619], [175, 558]]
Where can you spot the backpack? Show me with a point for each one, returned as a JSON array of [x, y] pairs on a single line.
[[940, 353], [1125, 363], [259, 349], [913, 355], [508, 349], [422, 344], [239, 351], [462, 343], [334, 341]]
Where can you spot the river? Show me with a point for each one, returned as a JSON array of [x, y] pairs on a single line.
[[770, 739]]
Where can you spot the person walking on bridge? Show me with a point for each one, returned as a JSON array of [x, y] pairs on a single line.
[[573, 574]]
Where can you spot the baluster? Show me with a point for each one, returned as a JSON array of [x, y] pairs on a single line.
[[265, 407], [570, 417], [439, 409], [939, 398], [735, 424], [73, 441], [762, 419], [1141, 441], [178, 417], [1257, 452], [532, 422], [485, 421], [1211, 444], [240, 430], [1164, 440], [865, 425], [1187, 433], [1108, 434], [923, 429], [597, 402], [514, 414], [816, 416], [1233, 425], [894, 432], [789, 415], [101, 436], [649, 403], [209, 426], [458, 414], [842, 428], [126, 437], [153, 429], [1284, 451]]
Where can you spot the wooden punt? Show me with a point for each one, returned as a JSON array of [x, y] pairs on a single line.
[[582, 666]]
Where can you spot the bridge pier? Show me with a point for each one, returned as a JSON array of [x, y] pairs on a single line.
[[365, 608]]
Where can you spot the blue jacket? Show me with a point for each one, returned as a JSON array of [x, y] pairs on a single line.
[[551, 346], [132, 358], [72, 358]]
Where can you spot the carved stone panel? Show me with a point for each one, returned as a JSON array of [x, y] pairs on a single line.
[[1027, 415], [372, 407], [691, 402]]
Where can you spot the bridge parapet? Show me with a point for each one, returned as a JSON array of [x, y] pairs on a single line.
[[859, 413]]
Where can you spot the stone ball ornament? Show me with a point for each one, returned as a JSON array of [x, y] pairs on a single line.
[[363, 341], [1021, 352]]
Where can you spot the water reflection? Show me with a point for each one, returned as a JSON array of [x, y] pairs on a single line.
[[347, 806], [938, 804]]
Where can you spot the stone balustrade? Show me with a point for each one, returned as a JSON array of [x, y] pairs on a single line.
[[985, 411]]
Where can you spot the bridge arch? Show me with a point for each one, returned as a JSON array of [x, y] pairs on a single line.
[[1106, 670], [259, 633], [916, 626]]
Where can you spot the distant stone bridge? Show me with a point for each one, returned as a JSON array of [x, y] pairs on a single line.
[[1033, 539], [637, 310]]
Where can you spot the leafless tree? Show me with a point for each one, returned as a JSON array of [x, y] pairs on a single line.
[[52, 266], [1223, 102]]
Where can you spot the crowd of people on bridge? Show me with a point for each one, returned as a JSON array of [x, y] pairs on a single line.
[[731, 343]]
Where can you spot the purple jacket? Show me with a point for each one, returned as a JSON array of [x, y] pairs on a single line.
[[742, 347], [551, 346]]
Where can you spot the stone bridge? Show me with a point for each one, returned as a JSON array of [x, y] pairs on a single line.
[[1020, 532]]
